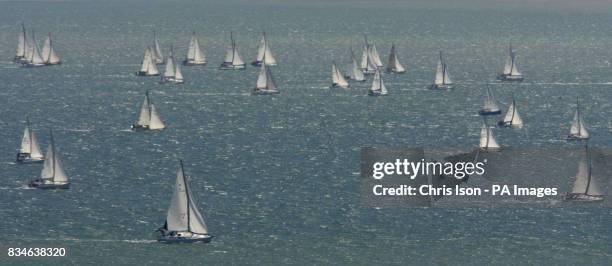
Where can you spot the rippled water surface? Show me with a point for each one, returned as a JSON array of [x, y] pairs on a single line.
[[277, 177]]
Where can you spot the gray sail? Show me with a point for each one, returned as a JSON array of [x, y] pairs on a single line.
[[52, 168], [183, 214]]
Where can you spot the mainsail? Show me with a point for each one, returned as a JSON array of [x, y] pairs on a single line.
[[394, 64], [337, 77], [378, 85], [183, 214], [442, 77], [355, 73], [170, 68], [48, 52], [512, 116], [156, 54], [375, 56], [232, 57], [21, 43], [490, 104], [264, 53], [578, 128], [265, 81], [584, 182], [148, 115], [194, 53], [510, 67], [29, 144], [52, 169], [35, 57], [487, 141]]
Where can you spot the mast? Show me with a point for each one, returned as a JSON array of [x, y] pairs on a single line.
[[53, 150], [579, 117], [588, 155], [233, 46], [29, 134], [443, 69], [187, 196], [513, 110]]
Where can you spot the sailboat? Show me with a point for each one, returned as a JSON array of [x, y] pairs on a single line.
[[264, 53], [487, 141], [510, 71], [20, 55], [578, 130], [48, 53], [148, 67], [355, 72], [29, 152], [490, 105], [512, 117], [232, 59], [378, 86], [442, 80], [148, 118], [156, 53], [337, 79], [195, 56], [184, 223], [265, 82], [585, 186], [368, 63], [394, 64], [173, 73], [34, 58], [52, 175]]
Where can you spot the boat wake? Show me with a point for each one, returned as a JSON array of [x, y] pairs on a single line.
[[134, 241]]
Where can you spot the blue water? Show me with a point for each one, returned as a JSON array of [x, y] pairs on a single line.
[[277, 177]]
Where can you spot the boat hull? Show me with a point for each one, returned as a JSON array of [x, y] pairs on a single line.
[[25, 158], [226, 66], [441, 87], [171, 81], [257, 91], [136, 127], [507, 124], [19, 60], [489, 112], [258, 64], [188, 62], [30, 65], [336, 85], [394, 71], [576, 137], [376, 93], [505, 77], [53, 64], [145, 74], [171, 237], [41, 184], [583, 197]]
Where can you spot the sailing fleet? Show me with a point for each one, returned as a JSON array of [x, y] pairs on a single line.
[[184, 222], [29, 54]]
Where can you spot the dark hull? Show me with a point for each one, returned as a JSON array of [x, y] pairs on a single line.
[[393, 71], [53, 64], [504, 77], [372, 93], [576, 138], [336, 86], [144, 74], [440, 87], [178, 240], [139, 127], [488, 112], [41, 185]]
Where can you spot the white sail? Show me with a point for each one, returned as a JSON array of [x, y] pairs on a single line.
[[490, 104], [578, 128], [265, 81], [178, 75], [145, 60], [49, 54], [355, 73], [145, 116], [378, 85], [169, 72], [375, 56], [155, 122], [487, 141], [337, 77], [183, 214], [29, 143], [512, 115], [21, 42], [264, 52], [584, 182], [52, 168], [194, 53], [229, 55], [36, 58], [29, 49], [157, 55], [236, 59], [394, 63], [151, 68]]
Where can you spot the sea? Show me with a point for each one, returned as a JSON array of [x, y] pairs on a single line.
[[277, 177]]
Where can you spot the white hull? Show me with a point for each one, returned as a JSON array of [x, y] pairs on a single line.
[[507, 77], [264, 92], [226, 66], [441, 87]]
